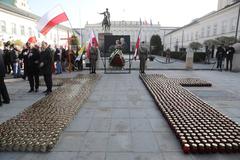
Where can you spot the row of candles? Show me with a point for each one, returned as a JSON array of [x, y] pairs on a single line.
[[38, 128], [199, 127]]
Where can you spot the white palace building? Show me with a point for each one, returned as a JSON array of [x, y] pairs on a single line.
[[222, 22], [130, 28], [17, 22]]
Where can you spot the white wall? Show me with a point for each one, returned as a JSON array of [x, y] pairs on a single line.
[[193, 33]]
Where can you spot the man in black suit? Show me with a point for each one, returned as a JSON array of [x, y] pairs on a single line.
[[229, 56], [3, 88], [45, 66], [7, 58], [24, 57], [220, 56], [33, 67]]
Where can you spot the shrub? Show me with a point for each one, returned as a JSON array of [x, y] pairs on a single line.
[[177, 55], [199, 56]]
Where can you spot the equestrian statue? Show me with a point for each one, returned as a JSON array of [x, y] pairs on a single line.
[[106, 20]]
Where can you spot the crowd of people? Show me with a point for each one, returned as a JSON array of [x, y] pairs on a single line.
[[222, 53], [32, 61]]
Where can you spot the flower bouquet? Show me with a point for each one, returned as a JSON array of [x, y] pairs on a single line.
[[116, 59]]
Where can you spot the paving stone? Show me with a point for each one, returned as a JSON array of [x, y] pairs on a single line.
[[11, 156], [120, 113], [119, 156], [148, 156], [120, 125], [91, 156], [144, 142], [95, 141], [102, 113], [119, 142], [140, 125], [70, 142], [176, 156], [168, 142], [100, 125], [138, 113], [79, 124], [159, 125], [85, 113]]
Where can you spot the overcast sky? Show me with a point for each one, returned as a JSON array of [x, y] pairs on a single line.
[[166, 12]]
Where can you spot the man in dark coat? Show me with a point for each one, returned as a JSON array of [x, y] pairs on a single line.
[[93, 58], [45, 66], [220, 56], [229, 55], [33, 68], [63, 58], [7, 59], [3, 88], [24, 57], [143, 55]]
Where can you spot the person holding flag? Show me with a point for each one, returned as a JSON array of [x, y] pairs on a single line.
[[137, 45]]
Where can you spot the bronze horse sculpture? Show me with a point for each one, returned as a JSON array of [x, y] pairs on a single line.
[[106, 24]]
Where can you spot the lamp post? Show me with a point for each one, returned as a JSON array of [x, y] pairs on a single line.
[[236, 34]]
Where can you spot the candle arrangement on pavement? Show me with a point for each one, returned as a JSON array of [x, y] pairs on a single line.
[[38, 128], [199, 127]]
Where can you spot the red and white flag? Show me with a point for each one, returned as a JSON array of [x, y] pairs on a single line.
[[91, 40], [51, 19], [137, 43]]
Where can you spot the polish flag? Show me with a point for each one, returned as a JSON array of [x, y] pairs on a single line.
[[91, 40], [51, 19], [137, 44]]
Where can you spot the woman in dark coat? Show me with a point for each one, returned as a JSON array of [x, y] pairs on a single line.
[[45, 67]]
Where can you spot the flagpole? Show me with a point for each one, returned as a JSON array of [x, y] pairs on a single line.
[[138, 39]]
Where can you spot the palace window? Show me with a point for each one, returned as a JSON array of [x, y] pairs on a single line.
[[202, 32], [196, 36], [215, 29], [224, 26], [14, 28], [208, 31], [233, 24], [192, 36], [30, 32], [22, 30], [2, 26]]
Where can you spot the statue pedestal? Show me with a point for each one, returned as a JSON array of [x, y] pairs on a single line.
[[189, 60], [101, 40]]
